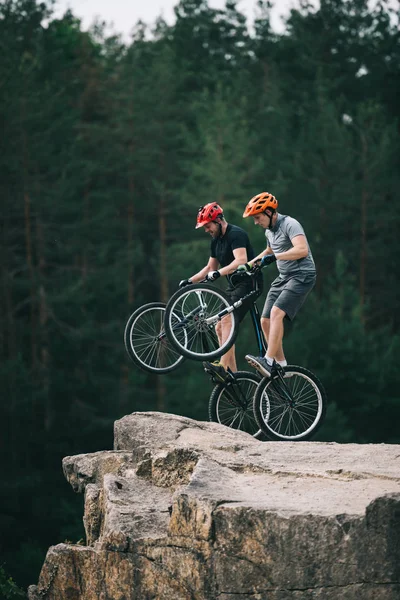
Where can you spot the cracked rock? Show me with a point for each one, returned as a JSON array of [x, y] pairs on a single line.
[[186, 510]]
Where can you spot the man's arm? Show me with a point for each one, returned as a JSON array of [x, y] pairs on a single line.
[[212, 265], [240, 255], [299, 250], [268, 250]]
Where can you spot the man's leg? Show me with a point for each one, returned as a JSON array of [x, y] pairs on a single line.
[[265, 323], [287, 304], [218, 368], [275, 336], [273, 330], [223, 329], [229, 358]]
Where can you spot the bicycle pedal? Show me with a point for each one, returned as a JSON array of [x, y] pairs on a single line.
[[208, 371], [213, 377]]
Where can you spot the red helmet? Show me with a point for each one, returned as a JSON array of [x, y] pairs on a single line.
[[208, 213]]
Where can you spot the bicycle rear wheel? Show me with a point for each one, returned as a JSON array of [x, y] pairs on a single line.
[[232, 404], [199, 308], [146, 343], [292, 408]]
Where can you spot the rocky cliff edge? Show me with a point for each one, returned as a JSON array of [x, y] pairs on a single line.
[[188, 510]]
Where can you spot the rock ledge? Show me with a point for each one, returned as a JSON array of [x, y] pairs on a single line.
[[186, 510]]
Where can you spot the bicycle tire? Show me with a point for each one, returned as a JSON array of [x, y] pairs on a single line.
[[293, 420], [224, 408], [143, 345], [196, 305]]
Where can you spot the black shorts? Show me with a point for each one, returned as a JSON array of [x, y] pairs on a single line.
[[288, 295], [235, 292]]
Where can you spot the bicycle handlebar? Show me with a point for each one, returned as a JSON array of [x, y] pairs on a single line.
[[256, 268]]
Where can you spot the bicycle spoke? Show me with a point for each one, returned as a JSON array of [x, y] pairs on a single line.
[[147, 343], [290, 408], [199, 308], [234, 406]]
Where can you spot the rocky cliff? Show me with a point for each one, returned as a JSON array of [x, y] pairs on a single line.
[[186, 510]]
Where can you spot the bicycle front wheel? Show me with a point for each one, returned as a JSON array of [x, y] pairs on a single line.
[[232, 404], [201, 311], [146, 343], [291, 407]]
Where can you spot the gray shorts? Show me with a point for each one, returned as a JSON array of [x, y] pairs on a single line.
[[288, 295]]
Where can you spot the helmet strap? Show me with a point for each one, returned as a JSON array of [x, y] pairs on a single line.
[[219, 223], [270, 217]]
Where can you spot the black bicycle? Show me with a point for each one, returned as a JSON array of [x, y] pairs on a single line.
[[198, 308], [149, 347], [290, 406], [158, 337], [146, 342], [231, 403]]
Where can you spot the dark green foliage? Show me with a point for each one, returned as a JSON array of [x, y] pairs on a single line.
[[106, 153], [8, 588]]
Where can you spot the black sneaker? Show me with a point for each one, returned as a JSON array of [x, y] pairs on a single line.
[[261, 364], [217, 371]]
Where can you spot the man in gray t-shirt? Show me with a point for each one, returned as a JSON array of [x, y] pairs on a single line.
[[287, 245]]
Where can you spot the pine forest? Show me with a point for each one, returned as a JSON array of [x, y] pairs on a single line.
[[108, 148]]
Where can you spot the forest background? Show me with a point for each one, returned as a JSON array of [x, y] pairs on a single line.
[[107, 151]]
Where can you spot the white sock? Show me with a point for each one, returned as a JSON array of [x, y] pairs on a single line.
[[270, 360], [283, 363]]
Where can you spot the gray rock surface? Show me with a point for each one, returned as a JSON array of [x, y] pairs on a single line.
[[186, 510]]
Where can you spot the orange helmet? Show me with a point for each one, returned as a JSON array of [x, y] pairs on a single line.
[[260, 203], [208, 213]]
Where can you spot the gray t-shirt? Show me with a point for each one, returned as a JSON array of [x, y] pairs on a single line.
[[280, 240]]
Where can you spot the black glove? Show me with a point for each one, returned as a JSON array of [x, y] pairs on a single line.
[[268, 259], [213, 275], [184, 283]]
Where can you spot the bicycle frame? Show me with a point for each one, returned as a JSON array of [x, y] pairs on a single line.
[[237, 399], [255, 317], [254, 313], [211, 321]]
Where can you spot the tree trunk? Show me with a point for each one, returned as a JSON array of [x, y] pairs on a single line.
[[28, 234], [31, 272], [162, 231], [363, 240], [161, 392], [8, 444], [131, 213], [43, 323]]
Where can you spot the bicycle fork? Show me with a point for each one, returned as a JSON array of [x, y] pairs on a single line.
[[235, 394], [282, 390]]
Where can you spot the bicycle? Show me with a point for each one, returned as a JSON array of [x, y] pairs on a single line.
[[231, 403], [198, 308], [146, 342], [159, 336], [152, 348], [290, 406], [147, 345]]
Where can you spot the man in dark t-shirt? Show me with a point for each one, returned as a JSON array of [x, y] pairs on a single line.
[[230, 247]]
